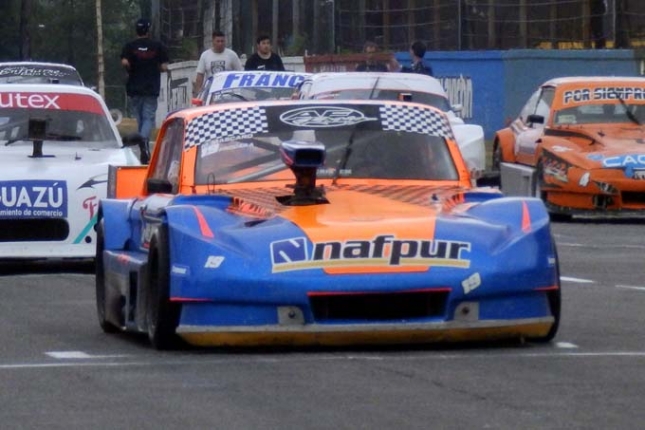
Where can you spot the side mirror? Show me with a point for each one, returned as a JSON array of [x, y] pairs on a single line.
[[135, 139], [535, 119], [456, 108], [196, 102], [158, 186]]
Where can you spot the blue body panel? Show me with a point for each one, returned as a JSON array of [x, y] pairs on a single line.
[[230, 279]]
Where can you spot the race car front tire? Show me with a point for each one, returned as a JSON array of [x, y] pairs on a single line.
[[101, 310], [162, 316], [554, 298]]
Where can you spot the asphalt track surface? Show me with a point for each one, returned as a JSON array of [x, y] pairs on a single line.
[[59, 371]]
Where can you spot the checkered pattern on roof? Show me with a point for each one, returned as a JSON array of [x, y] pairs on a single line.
[[415, 119], [221, 124]]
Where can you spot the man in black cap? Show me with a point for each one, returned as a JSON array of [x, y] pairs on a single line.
[[144, 59]]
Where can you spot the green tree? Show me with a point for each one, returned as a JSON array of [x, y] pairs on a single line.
[[9, 30]]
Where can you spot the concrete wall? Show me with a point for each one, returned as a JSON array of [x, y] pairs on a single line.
[[498, 83]]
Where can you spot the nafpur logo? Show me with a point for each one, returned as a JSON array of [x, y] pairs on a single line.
[[382, 251]]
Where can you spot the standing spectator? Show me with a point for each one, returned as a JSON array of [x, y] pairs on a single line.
[[370, 65], [417, 52], [264, 58], [144, 59], [216, 59]]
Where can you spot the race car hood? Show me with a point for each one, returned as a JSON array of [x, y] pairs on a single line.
[[58, 160], [368, 229], [609, 147], [78, 168]]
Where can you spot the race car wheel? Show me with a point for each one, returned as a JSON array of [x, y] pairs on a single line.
[[497, 157], [162, 316], [555, 302], [542, 195], [101, 310]]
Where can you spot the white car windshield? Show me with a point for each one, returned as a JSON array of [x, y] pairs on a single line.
[[66, 127], [601, 114], [430, 99], [250, 94]]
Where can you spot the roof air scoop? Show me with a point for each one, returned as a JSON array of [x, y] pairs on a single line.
[[303, 158]]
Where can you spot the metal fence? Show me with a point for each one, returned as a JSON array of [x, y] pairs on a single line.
[[337, 26], [449, 25]]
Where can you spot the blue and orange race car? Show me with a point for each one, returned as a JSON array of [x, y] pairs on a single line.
[[319, 223]]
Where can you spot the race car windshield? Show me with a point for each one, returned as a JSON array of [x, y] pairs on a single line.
[[67, 128], [250, 94], [374, 154], [601, 114], [429, 99]]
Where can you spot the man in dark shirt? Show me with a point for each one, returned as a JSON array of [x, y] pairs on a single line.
[[370, 65], [264, 58], [144, 59], [417, 52]]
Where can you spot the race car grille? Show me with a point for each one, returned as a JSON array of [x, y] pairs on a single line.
[[27, 230], [633, 198], [378, 306]]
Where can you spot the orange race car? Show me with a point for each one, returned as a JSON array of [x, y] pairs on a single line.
[[579, 144], [319, 223]]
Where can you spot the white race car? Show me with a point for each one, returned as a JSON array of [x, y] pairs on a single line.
[[249, 86], [400, 86], [56, 144]]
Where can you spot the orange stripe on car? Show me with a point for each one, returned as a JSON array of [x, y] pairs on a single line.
[[364, 216], [203, 225], [526, 218]]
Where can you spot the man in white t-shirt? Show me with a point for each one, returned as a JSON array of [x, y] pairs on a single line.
[[216, 59]]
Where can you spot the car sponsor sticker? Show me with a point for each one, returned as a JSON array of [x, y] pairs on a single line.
[[384, 250], [267, 80], [49, 101], [33, 199], [324, 117], [632, 164], [472, 282], [34, 71], [603, 93]]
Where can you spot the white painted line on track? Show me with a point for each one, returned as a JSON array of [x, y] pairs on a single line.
[[76, 355], [631, 287], [585, 245], [565, 345], [430, 355], [68, 354], [578, 280]]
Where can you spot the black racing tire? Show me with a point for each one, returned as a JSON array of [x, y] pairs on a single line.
[[99, 277], [555, 303], [496, 159], [162, 316]]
